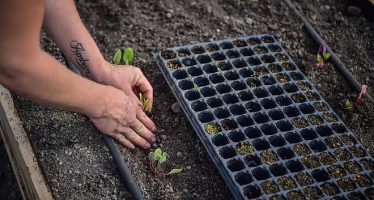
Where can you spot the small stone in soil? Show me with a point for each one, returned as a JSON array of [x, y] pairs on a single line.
[[353, 10], [175, 108]]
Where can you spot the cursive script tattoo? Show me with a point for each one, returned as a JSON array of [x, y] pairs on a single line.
[[77, 49]]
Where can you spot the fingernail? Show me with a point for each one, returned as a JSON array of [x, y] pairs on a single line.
[[132, 147], [153, 139], [154, 129], [147, 145]]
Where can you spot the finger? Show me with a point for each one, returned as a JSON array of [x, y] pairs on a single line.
[[123, 141], [144, 119], [141, 82], [143, 131], [134, 138]]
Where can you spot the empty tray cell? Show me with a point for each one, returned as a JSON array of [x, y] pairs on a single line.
[[329, 117], [198, 50], [212, 128], [260, 173], [329, 189], [208, 91], [253, 61], [292, 137], [297, 76], [310, 161], [288, 66], [269, 187], [281, 57], [267, 39], [282, 78], [223, 88], [314, 119], [353, 168], [237, 109], [194, 71], [276, 114], [333, 142], [342, 154], [370, 193], [268, 80], [320, 175], [260, 70], [284, 126], [275, 90], [261, 144], [291, 111], [189, 61], [326, 158], [216, 78], [185, 84], [221, 113], [283, 100], [210, 68], [362, 180], [180, 74], [245, 95], [357, 151], [324, 131], [308, 134], [252, 132], [247, 52], [168, 54], [290, 87], [268, 103], [212, 47], [244, 148], [198, 106], [294, 166], [306, 108], [252, 191], [312, 96], [260, 49], [260, 92], [245, 121], [356, 195], [252, 160], [268, 129], [203, 59], [235, 165], [317, 146], [253, 106], [301, 149], [286, 183], [239, 63], [243, 178], [303, 179], [183, 52], [367, 164], [278, 169], [254, 41], [336, 171], [218, 56], [192, 95], [267, 59], [201, 81], [277, 141], [238, 85], [245, 73], [224, 66], [274, 48], [339, 128], [346, 184], [304, 85], [232, 54], [253, 82], [230, 98], [236, 136], [214, 102], [313, 192], [226, 45], [260, 117], [220, 140], [285, 153], [240, 43], [231, 75], [227, 152], [229, 124], [205, 117], [174, 64], [348, 139], [298, 98]]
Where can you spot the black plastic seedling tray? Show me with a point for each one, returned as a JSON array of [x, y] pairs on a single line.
[[267, 129]]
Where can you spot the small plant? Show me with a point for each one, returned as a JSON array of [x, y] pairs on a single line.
[[128, 56], [144, 101], [156, 158], [322, 56], [349, 105]]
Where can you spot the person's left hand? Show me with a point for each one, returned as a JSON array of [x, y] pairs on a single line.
[[129, 79]]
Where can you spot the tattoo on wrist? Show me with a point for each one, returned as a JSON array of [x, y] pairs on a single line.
[[77, 48]]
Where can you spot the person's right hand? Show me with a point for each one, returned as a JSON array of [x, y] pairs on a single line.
[[122, 118]]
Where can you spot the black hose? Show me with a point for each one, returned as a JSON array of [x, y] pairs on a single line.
[[334, 59], [122, 167]]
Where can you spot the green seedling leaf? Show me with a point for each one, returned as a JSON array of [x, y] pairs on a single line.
[[117, 57], [326, 56], [144, 101], [128, 55], [157, 154], [319, 58], [162, 158], [348, 105], [151, 156], [175, 171]]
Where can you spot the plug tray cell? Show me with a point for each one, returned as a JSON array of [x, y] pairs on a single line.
[[267, 129]]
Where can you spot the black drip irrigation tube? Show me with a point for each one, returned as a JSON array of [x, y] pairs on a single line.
[[334, 59], [122, 167]]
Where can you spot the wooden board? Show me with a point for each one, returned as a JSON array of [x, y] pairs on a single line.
[[24, 163]]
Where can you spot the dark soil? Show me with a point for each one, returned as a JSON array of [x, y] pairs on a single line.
[[70, 150]]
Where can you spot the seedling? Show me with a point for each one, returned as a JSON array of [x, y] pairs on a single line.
[[144, 101], [322, 56], [348, 105], [358, 101], [128, 56], [156, 158]]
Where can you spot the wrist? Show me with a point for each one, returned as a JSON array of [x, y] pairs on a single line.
[[101, 73]]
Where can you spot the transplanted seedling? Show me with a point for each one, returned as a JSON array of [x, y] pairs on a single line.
[[144, 101], [322, 56], [349, 105], [156, 158]]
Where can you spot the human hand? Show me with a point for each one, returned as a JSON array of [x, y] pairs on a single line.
[[121, 117]]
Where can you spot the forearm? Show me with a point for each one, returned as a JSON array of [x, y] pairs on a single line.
[[64, 26]]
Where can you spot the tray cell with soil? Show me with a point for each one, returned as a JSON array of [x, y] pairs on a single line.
[[346, 184], [274, 48], [240, 43], [183, 52], [329, 117], [212, 47], [348, 139], [281, 57], [275, 68], [326, 158], [321, 106], [312, 96], [367, 164], [268, 156], [336, 171], [310, 161], [342, 154], [260, 49], [357, 151], [244, 148], [314, 119], [301, 149], [333, 142], [299, 122], [304, 85], [254, 41], [303, 179], [288, 66], [174, 64], [282, 78], [362, 180], [286, 183], [329, 189], [168, 54], [269, 187], [260, 71], [295, 195], [298, 98], [312, 192], [198, 50]]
